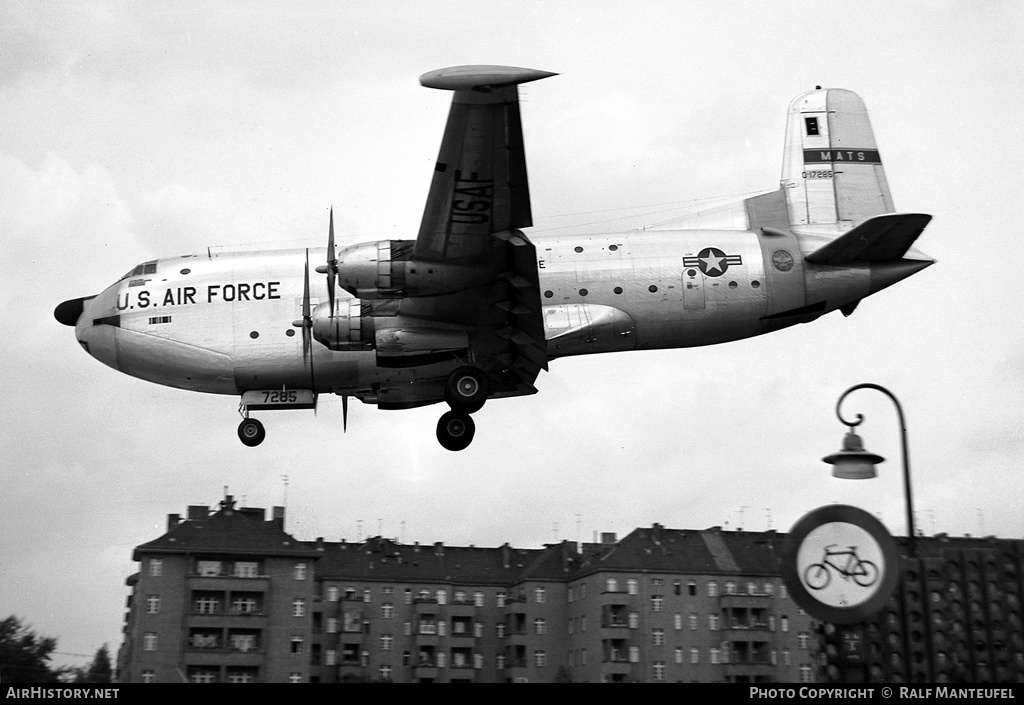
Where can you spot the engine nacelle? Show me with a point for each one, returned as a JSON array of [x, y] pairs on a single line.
[[386, 270], [348, 329]]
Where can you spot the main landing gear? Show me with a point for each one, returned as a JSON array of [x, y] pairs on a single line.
[[251, 432], [465, 391]]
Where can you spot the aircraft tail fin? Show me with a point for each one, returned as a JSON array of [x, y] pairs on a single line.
[[877, 239], [832, 173]]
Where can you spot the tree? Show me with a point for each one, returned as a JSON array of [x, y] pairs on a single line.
[[99, 670], [24, 656]]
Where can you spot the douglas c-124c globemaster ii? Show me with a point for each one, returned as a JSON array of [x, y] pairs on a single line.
[[473, 310]]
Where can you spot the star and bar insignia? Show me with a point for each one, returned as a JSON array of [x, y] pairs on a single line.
[[712, 262]]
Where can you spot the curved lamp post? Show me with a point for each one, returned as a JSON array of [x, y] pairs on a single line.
[[855, 463]]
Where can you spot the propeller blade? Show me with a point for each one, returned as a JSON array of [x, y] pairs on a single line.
[[307, 319], [332, 264]]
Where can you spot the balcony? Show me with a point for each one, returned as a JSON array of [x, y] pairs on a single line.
[[755, 600], [757, 629], [223, 583]]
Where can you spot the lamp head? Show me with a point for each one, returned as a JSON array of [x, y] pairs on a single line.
[[853, 462]]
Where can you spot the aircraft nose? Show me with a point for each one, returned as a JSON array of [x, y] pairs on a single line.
[[69, 311], [96, 324]]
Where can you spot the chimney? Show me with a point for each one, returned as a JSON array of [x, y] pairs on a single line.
[[173, 520], [320, 544], [197, 511], [439, 549], [279, 517], [506, 555], [607, 537]]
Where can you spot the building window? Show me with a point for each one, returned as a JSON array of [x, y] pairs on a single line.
[[782, 591], [246, 569], [802, 640], [677, 588], [751, 589], [693, 621], [714, 655], [408, 596], [294, 677], [478, 599], [540, 658], [332, 625], [785, 657], [775, 657], [785, 623], [657, 603], [149, 641], [332, 594], [583, 591], [771, 623], [611, 585], [442, 597], [386, 641], [712, 588], [658, 637], [769, 589], [298, 608], [806, 674], [540, 626], [478, 630], [679, 654], [500, 630], [442, 659], [387, 610], [385, 672], [539, 595], [694, 655], [296, 644], [156, 567], [243, 642], [367, 595], [460, 597], [148, 675], [634, 620], [657, 582], [677, 621], [153, 604], [300, 571], [713, 622], [499, 598], [500, 661], [659, 670], [442, 628], [208, 568], [244, 605], [583, 623], [730, 588], [691, 587], [207, 605], [330, 657]]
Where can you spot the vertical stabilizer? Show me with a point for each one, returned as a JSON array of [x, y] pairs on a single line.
[[832, 173]]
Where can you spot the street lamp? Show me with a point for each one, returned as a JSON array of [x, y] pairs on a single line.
[[855, 463]]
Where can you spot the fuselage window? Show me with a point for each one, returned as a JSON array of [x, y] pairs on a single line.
[[812, 126], [159, 319]]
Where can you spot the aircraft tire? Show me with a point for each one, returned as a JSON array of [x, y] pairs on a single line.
[[455, 430], [466, 388], [251, 432]]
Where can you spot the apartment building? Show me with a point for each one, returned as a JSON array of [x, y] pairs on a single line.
[[229, 596]]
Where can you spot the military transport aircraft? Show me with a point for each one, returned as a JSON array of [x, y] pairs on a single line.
[[473, 309]]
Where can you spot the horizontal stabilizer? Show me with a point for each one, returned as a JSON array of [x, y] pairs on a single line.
[[878, 239]]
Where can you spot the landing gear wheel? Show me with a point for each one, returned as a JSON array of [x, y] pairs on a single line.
[[466, 389], [455, 430], [251, 432]]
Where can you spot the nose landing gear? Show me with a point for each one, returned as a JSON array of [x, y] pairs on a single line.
[[251, 432]]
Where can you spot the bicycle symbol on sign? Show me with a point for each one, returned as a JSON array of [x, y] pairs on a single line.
[[818, 575]]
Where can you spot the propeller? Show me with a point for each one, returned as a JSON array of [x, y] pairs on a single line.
[[306, 322], [331, 268]]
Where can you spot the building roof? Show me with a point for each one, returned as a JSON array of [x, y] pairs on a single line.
[[384, 559], [229, 530], [710, 551]]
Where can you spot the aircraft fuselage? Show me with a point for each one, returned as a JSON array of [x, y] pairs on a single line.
[[223, 322]]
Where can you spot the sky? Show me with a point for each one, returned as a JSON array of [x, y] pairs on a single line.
[[132, 131]]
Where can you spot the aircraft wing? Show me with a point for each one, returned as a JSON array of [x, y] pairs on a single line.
[[479, 198]]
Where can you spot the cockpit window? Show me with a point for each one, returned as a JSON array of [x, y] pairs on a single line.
[[142, 269]]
